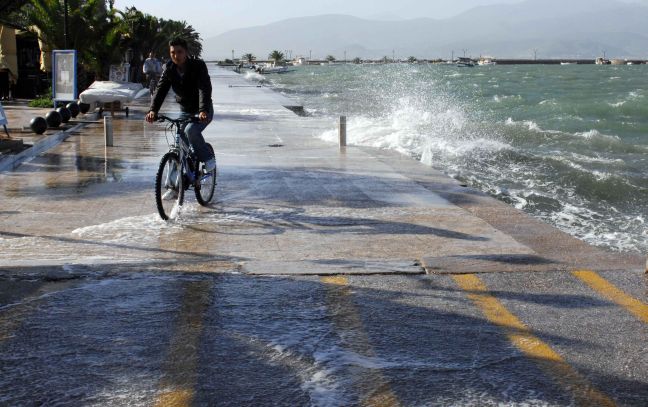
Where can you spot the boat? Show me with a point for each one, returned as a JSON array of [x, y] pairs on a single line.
[[486, 61], [271, 69], [465, 62], [602, 61], [569, 63]]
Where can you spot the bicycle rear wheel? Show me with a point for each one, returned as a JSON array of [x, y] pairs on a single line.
[[169, 188], [207, 184]]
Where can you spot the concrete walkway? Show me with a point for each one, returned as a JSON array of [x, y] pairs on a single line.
[[377, 302]]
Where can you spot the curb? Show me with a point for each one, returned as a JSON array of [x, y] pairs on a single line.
[[9, 163]]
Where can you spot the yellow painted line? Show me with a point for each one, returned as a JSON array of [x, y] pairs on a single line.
[[521, 336], [181, 363], [175, 398], [335, 280], [612, 293], [347, 319]]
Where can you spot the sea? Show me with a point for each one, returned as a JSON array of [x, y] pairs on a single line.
[[565, 143]]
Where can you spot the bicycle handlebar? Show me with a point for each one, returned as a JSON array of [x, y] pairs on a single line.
[[163, 118]]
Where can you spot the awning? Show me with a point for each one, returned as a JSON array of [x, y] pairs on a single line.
[[9, 52]]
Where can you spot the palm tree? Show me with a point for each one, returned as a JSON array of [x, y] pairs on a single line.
[[172, 29], [9, 10], [91, 30], [249, 58], [276, 56]]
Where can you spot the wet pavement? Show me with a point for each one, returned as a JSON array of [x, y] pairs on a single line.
[[319, 276]]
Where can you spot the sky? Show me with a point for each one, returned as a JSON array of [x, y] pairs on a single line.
[[211, 18]]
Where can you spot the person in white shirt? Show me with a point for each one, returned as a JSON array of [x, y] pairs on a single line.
[[152, 69]]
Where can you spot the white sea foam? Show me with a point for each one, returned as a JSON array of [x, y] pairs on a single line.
[[529, 124], [595, 134], [253, 76], [502, 98]]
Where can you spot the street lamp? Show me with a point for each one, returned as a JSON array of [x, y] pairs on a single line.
[[65, 24]]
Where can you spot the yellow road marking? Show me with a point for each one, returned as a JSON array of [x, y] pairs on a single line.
[[612, 293], [347, 319], [181, 362], [522, 337], [175, 398], [335, 280]]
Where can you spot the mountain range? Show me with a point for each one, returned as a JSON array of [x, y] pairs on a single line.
[[544, 28]]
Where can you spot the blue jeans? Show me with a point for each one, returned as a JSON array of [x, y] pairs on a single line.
[[193, 131]]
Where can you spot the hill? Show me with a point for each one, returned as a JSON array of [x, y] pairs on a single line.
[[556, 28]]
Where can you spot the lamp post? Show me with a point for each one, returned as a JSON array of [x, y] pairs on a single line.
[[65, 24]]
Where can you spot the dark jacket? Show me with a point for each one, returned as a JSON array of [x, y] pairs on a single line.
[[193, 90]]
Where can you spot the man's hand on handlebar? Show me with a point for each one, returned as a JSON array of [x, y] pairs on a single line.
[[202, 116], [150, 117]]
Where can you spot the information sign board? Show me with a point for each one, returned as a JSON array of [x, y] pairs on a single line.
[[64, 71]]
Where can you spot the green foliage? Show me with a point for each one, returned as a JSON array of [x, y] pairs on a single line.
[[330, 58], [276, 56], [249, 58], [357, 60], [43, 101], [412, 60], [91, 30], [100, 34]]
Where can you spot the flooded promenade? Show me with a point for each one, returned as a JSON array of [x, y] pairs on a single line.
[[319, 276]]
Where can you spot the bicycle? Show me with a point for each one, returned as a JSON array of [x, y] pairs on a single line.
[[180, 170], [152, 83]]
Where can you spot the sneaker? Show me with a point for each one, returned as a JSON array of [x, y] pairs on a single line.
[[170, 195], [172, 176], [210, 165]]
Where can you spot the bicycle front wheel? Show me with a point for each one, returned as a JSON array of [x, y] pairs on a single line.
[[169, 188], [207, 184]]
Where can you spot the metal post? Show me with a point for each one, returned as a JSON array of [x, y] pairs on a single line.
[[343, 141], [108, 131], [65, 24]]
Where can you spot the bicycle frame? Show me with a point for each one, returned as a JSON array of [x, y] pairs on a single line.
[[184, 149]]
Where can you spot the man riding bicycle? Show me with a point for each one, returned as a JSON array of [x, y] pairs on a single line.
[[190, 81], [152, 68]]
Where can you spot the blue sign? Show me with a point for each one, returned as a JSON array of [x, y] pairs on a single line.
[[3, 117], [64, 72]]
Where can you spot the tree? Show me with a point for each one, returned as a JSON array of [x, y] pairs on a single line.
[[172, 29], [276, 56], [249, 58], [91, 30], [412, 60], [9, 12], [357, 60], [385, 60], [330, 58]]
